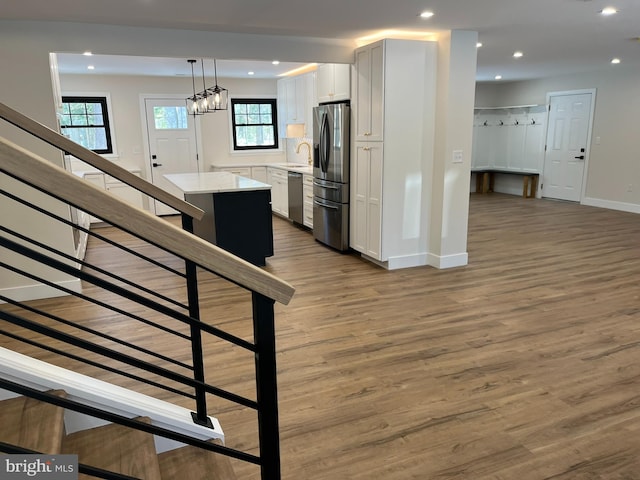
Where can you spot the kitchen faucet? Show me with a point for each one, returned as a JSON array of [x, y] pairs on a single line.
[[308, 148]]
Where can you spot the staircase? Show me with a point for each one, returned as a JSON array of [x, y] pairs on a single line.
[[39, 427], [126, 443]]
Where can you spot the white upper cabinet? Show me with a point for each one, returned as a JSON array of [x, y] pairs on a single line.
[[334, 82], [369, 92], [296, 99]]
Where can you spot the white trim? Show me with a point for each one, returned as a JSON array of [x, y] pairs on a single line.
[[40, 291], [421, 260], [407, 261], [43, 376], [587, 154], [612, 205], [448, 261]]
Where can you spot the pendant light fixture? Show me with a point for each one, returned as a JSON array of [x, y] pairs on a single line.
[[204, 95], [209, 99], [193, 103], [218, 96]]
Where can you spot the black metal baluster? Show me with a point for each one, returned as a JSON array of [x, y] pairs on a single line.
[[267, 390], [200, 416]]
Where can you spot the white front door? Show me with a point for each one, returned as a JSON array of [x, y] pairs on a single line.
[[172, 144], [567, 135]]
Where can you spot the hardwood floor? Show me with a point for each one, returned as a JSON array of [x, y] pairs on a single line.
[[522, 365]]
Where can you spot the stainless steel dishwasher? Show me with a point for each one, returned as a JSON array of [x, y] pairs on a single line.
[[294, 182]]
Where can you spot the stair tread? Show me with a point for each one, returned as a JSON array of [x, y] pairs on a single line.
[[116, 448], [195, 464], [32, 424]]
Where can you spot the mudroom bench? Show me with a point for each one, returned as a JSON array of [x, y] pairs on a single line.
[[485, 180]]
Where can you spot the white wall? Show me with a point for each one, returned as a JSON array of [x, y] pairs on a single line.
[[25, 82], [614, 162], [125, 91]]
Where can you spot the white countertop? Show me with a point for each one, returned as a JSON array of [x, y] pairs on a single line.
[[294, 167], [214, 182]]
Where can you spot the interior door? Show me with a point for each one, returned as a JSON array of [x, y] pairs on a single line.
[[172, 144], [564, 165]]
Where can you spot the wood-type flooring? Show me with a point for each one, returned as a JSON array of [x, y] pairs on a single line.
[[523, 365]]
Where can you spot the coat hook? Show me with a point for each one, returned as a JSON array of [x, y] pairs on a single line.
[[533, 121]]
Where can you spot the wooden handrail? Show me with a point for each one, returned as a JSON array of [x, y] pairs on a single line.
[[43, 174], [63, 143]]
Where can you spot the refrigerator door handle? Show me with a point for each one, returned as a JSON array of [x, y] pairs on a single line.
[[324, 205], [325, 186], [321, 142], [325, 143]]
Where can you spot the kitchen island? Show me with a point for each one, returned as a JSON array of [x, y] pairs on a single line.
[[237, 212]]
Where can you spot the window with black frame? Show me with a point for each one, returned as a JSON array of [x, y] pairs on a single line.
[[255, 124], [85, 120]]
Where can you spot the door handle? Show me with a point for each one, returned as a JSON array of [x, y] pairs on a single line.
[[156, 164], [328, 187], [581, 157], [324, 205]]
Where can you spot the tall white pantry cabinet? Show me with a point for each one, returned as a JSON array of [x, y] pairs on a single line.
[[393, 102]]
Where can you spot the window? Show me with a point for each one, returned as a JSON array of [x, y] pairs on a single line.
[[170, 118], [85, 121], [254, 123]]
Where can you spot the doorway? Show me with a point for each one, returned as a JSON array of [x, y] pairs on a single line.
[[171, 144], [567, 147]]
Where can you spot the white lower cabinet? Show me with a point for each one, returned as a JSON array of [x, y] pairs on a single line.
[[259, 174], [116, 187], [278, 179], [240, 171], [126, 193], [366, 210], [255, 172], [307, 200]]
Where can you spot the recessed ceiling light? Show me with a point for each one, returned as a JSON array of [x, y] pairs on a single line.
[[615, 61], [478, 45], [276, 62], [426, 14], [517, 54], [498, 77], [91, 67], [250, 73], [608, 11], [87, 53]]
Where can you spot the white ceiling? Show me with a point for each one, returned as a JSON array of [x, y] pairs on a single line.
[[556, 36]]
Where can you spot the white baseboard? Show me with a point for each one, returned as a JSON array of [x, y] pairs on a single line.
[[448, 261], [40, 290], [421, 260], [612, 205], [407, 261], [43, 376]]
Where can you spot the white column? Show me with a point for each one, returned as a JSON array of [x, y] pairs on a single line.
[[452, 149]]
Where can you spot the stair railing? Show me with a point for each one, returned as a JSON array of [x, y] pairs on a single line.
[[196, 253]]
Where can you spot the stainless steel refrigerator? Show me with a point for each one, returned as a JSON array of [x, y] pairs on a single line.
[[331, 145]]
